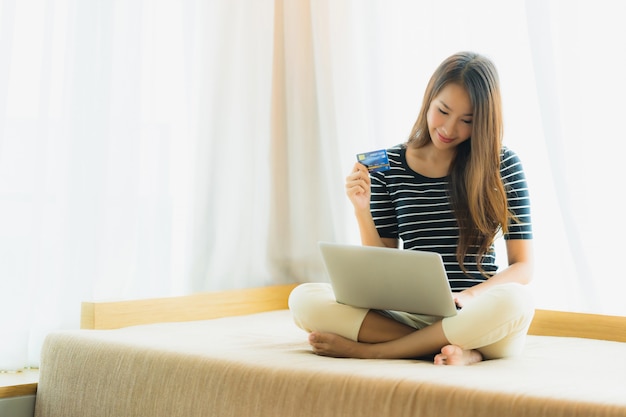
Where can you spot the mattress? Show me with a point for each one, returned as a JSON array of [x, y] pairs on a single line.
[[261, 365]]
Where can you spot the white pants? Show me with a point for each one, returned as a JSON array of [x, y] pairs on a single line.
[[494, 323]]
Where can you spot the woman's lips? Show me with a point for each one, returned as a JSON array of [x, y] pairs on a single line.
[[444, 139]]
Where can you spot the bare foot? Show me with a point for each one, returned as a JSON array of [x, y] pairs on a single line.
[[454, 355], [330, 344]]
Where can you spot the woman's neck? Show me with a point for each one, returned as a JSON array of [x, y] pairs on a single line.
[[430, 161]]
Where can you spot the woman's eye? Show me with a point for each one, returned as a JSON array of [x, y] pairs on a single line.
[[443, 112], [467, 122]]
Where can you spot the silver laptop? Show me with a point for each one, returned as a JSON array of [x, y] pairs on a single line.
[[389, 279]]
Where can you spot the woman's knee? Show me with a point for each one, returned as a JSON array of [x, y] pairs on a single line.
[[515, 303], [500, 317], [307, 300], [314, 308]]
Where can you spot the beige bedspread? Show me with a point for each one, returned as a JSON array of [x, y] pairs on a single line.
[[261, 365]]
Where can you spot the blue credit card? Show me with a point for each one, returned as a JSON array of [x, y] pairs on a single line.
[[375, 161]]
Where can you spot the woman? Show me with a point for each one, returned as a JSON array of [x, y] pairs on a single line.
[[452, 188]]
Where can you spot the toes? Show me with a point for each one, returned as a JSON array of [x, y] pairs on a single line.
[[450, 355], [318, 343], [454, 355], [440, 359], [316, 338], [451, 350]]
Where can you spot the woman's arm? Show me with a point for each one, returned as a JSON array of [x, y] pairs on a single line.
[[358, 190], [520, 270]]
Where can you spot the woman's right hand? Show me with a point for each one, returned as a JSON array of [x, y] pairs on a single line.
[[358, 187]]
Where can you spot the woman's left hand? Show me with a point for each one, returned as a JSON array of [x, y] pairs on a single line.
[[461, 299]]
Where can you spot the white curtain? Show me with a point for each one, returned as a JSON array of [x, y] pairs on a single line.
[[167, 147]]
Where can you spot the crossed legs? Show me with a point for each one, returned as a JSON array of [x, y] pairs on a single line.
[[343, 331]]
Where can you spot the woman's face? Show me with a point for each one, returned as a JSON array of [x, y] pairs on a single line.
[[450, 117]]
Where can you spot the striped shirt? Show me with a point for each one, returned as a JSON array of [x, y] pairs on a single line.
[[417, 209]]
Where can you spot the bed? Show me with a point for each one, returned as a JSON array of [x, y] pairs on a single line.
[[238, 353]]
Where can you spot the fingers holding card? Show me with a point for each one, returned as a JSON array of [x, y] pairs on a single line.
[[375, 161]]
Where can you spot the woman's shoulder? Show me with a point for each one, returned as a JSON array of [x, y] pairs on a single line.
[[397, 165], [509, 158], [397, 150], [396, 155]]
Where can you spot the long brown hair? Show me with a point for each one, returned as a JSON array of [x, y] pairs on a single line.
[[476, 191]]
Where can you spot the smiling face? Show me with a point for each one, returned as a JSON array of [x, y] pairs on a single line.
[[450, 117]]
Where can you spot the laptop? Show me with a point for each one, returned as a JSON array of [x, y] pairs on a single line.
[[389, 279]]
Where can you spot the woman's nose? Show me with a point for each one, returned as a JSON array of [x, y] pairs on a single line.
[[448, 128]]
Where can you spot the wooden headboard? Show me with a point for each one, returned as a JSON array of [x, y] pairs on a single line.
[[210, 305], [201, 306]]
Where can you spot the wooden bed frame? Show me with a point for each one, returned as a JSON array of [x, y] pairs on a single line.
[[210, 305]]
